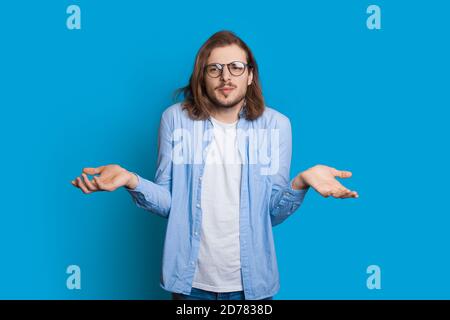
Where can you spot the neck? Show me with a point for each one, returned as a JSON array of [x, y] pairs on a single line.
[[228, 115]]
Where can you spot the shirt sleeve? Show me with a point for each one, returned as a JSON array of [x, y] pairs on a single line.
[[156, 196], [284, 199]]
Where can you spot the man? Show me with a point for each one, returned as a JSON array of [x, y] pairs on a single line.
[[222, 180]]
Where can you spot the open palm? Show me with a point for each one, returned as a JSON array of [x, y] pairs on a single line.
[[110, 177], [323, 179]]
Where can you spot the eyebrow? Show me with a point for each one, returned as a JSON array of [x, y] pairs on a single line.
[[228, 62]]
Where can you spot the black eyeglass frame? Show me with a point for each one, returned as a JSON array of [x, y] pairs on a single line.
[[246, 66]]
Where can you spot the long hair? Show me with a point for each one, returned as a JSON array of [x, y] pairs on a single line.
[[196, 101]]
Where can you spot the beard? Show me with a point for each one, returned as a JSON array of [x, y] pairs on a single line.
[[228, 104]]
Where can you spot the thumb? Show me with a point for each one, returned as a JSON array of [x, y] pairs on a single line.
[[92, 171], [342, 173]]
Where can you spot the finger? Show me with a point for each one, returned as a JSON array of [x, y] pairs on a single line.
[[342, 191], [345, 174], [325, 192], [99, 183], [352, 194], [347, 194], [102, 185], [82, 186], [92, 171], [74, 183], [94, 184], [337, 188], [88, 183], [342, 173], [339, 192]]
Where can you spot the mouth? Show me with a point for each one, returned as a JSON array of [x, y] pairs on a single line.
[[226, 89]]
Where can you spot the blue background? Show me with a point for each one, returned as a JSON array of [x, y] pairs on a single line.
[[373, 102]]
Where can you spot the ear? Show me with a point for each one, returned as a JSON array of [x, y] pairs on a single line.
[[250, 77]]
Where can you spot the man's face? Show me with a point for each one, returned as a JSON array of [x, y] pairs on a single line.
[[227, 90]]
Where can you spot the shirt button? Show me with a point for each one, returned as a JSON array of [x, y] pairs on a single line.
[[196, 233], [192, 263], [198, 205]]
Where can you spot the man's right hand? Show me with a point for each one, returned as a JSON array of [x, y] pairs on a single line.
[[110, 177]]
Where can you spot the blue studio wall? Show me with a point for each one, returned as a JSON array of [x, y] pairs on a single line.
[[373, 101]]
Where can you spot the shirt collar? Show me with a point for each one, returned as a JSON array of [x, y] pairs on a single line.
[[242, 113], [243, 110]]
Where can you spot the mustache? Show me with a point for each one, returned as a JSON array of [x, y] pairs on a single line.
[[226, 85]]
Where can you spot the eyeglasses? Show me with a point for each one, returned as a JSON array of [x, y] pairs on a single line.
[[236, 68]]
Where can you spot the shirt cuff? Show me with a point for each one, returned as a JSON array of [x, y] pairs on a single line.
[[139, 185], [294, 194]]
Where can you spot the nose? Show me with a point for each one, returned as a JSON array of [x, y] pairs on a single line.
[[225, 76]]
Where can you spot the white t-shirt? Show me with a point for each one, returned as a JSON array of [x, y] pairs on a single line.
[[218, 265]]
